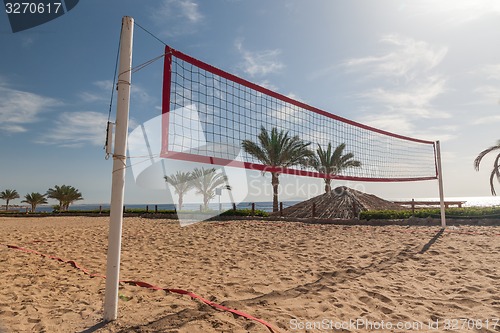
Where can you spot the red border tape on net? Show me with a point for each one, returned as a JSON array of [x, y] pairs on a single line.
[[150, 286]]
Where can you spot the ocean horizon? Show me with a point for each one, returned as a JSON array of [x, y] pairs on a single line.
[[482, 201]]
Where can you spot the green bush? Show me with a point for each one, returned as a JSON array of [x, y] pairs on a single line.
[[150, 211], [468, 212], [244, 212], [384, 214], [142, 211]]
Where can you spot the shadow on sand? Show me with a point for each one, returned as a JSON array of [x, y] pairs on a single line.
[[95, 327], [433, 240]]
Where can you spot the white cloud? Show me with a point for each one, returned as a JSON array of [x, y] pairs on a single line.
[[267, 84], [401, 124], [406, 84], [289, 112], [490, 71], [487, 120], [184, 9], [103, 94], [441, 132], [92, 97], [76, 129], [140, 95], [391, 123], [412, 99], [456, 12], [259, 63], [13, 128], [182, 16], [190, 10], [20, 107], [407, 58], [104, 84], [489, 94]]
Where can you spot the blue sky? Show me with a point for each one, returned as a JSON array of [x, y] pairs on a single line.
[[427, 69]]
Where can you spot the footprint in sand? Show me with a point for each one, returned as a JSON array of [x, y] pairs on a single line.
[[473, 289], [379, 297], [385, 310]]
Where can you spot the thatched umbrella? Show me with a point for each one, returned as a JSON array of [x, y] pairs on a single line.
[[342, 202]]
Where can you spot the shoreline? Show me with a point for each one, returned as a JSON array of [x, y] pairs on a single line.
[[477, 202]]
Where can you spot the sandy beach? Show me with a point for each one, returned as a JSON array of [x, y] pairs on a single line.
[[296, 277]]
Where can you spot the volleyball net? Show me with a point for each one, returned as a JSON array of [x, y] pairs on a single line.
[[208, 113]]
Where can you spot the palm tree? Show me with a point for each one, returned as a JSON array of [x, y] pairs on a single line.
[[181, 182], [35, 199], [65, 194], [278, 150], [8, 195], [496, 167], [333, 163], [206, 181], [58, 193], [71, 195]]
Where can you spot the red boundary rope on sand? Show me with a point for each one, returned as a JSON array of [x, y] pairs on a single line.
[[149, 286]]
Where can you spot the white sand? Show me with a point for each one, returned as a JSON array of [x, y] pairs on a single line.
[[291, 275]]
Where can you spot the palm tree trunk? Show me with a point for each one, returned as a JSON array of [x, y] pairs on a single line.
[[205, 203], [180, 202], [328, 186], [275, 182], [7, 204]]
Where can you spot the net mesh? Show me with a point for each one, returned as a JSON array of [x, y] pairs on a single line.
[[209, 113]]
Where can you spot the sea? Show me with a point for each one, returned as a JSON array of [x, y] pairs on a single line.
[[266, 206]]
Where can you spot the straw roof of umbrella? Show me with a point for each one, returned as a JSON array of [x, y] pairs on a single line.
[[342, 202]]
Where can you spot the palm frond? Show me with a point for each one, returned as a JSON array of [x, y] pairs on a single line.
[[278, 148], [477, 160], [495, 172], [180, 181], [206, 181], [333, 163], [253, 149], [9, 195]]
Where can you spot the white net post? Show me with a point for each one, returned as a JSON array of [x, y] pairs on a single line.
[[119, 165], [440, 182]]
